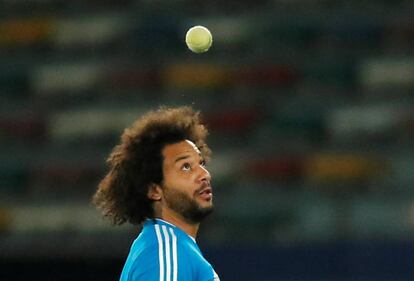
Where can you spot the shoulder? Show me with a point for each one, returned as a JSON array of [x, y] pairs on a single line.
[[142, 260], [179, 256], [164, 252], [193, 263]]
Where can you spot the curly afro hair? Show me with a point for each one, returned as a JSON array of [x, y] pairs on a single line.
[[137, 161]]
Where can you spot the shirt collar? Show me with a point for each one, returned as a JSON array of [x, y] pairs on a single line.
[[166, 222]]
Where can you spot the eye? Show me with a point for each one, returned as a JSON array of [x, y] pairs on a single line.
[[203, 163], [186, 167]]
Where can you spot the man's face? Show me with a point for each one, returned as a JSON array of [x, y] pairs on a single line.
[[186, 184]]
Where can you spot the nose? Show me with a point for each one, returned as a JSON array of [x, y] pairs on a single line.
[[204, 174]]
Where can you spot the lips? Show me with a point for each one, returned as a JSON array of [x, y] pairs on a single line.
[[206, 193]]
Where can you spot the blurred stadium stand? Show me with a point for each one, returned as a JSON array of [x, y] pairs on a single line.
[[310, 108]]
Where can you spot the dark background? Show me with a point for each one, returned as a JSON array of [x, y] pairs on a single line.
[[310, 109]]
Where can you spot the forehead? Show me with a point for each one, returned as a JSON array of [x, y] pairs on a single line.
[[175, 150]]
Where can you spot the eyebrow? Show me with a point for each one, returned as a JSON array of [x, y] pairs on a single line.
[[185, 157], [181, 158]]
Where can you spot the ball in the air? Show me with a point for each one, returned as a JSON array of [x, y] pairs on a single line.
[[198, 39]]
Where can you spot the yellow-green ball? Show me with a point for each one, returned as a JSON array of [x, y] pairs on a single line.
[[198, 39]]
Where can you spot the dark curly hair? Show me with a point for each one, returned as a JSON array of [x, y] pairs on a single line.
[[137, 161]]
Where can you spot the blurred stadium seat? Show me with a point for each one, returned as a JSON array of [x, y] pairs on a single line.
[[309, 104]]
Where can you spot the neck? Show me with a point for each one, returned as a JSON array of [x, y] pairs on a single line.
[[177, 220]]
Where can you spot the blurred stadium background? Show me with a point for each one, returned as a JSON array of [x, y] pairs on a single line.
[[310, 106]]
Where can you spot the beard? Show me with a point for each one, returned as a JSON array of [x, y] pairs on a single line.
[[186, 206]]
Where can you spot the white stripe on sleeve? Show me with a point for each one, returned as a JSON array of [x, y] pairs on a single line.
[[174, 254], [167, 254], [160, 251]]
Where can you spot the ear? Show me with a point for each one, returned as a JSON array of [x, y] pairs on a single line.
[[154, 192]]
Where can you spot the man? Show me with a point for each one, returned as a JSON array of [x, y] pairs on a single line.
[[158, 178]]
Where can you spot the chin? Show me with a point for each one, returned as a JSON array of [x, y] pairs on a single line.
[[201, 213], [205, 205]]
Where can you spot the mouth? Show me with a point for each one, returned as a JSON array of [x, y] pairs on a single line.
[[206, 193]]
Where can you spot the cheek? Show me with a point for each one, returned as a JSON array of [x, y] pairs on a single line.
[[178, 179], [185, 181], [170, 174]]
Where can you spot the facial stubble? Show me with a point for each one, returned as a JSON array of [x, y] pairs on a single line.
[[186, 206]]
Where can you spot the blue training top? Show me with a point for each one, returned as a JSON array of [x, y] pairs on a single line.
[[163, 252]]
